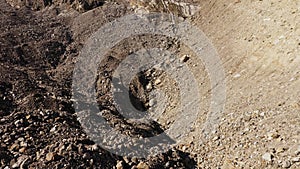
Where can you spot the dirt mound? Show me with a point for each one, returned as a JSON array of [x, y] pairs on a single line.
[[257, 43]]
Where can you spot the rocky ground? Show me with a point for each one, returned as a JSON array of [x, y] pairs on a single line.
[[258, 43]]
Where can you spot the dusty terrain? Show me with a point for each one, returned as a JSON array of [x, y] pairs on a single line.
[[258, 43]]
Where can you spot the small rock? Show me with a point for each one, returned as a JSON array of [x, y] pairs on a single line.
[[23, 144], [53, 129], [286, 164], [38, 155], [167, 164], [184, 148], [267, 156], [119, 165], [149, 86], [14, 146], [126, 159], [237, 75], [22, 150], [157, 81], [94, 147], [28, 117], [184, 58], [19, 161], [215, 138], [296, 159], [50, 156], [280, 149], [142, 165], [134, 159], [61, 149], [151, 102], [273, 135], [86, 156]]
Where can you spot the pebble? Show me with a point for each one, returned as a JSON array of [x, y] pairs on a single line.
[[50, 156], [157, 81], [280, 149], [23, 144], [22, 150], [86, 156], [53, 129], [184, 58], [296, 159], [184, 148], [134, 159], [286, 164], [149, 86], [94, 147], [151, 102], [167, 164], [267, 156], [119, 165], [142, 165], [14, 146], [237, 75], [20, 160], [126, 159], [273, 135]]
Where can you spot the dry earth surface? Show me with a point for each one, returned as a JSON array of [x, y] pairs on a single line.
[[258, 42]]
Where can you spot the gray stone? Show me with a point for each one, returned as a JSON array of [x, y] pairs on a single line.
[[267, 156], [286, 164]]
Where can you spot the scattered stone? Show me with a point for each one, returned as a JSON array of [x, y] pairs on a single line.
[[28, 117], [53, 129], [23, 144], [142, 165], [61, 149], [157, 81], [151, 102], [296, 159], [286, 164], [50, 156], [19, 161], [126, 159], [149, 86], [216, 138], [273, 135], [167, 164], [237, 75], [14, 147], [94, 147], [134, 159], [22, 150], [86, 156], [267, 156], [184, 148], [280, 149], [119, 165], [184, 58]]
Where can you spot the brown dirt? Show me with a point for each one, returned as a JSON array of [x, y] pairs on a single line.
[[258, 43]]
